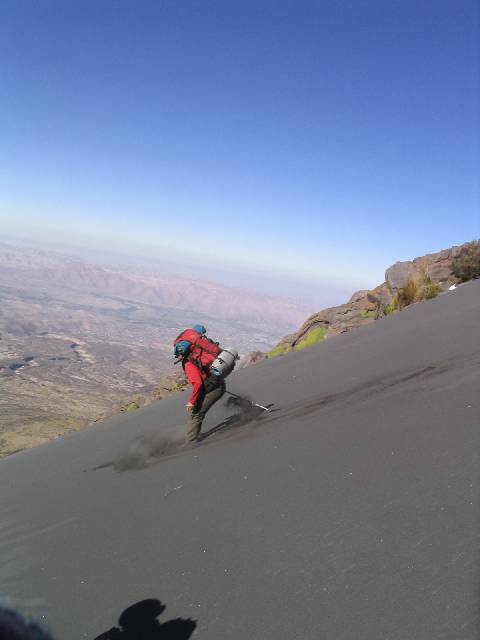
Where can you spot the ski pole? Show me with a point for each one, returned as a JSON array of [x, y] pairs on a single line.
[[254, 404]]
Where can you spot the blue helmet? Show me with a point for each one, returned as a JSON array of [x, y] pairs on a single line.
[[181, 348], [199, 328]]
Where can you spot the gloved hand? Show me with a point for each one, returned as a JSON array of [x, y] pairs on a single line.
[[189, 406]]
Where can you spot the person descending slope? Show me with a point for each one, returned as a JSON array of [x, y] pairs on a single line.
[[206, 366]]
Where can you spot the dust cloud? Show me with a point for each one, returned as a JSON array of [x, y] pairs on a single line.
[[150, 449]]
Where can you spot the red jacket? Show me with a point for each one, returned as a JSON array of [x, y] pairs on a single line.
[[204, 351], [196, 379]]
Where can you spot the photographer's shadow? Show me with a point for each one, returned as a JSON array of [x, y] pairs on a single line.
[[139, 622]]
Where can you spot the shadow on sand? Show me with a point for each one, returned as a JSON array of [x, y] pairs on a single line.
[[139, 622]]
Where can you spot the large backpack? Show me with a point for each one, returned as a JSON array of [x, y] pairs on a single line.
[[195, 347]]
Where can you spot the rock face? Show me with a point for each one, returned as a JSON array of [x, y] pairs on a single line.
[[435, 265], [367, 306], [361, 310], [358, 295]]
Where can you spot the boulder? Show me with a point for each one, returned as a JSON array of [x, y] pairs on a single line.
[[381, 296], [398, 275]]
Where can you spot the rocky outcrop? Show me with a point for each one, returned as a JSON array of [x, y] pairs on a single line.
[[382, 296], [358, 295], [437, 266], [366, 306], [362, 309]]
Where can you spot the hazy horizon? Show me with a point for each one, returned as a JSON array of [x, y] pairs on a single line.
[[311, 294]]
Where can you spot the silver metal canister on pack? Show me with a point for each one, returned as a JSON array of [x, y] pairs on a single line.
[[224, 363]]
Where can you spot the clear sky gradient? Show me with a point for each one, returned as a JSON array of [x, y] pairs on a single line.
[[330, 138]]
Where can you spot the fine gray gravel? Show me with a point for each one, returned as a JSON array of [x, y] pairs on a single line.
[[351, 511]]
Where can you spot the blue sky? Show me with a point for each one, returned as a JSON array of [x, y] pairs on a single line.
[[326, 138]]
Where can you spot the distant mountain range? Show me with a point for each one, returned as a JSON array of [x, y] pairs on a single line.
[[25, 267]]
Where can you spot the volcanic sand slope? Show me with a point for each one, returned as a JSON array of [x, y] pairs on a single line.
[[351, 512]]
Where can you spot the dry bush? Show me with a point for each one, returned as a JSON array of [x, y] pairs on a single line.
[[429, 290], [466, 266], [418, 288], [407, 295]]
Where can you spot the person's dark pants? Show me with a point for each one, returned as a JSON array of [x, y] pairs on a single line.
[[206, 400]]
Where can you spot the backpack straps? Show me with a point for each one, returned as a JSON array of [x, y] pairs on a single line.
[[196, 362]]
